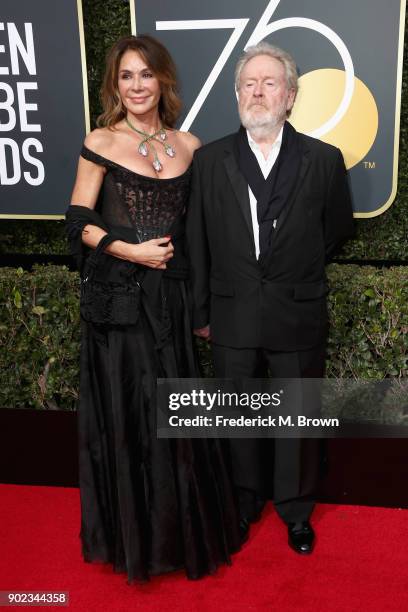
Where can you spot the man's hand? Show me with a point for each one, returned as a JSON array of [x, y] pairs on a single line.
[[203, 332]]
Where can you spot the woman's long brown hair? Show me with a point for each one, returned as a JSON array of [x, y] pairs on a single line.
[[159, 60]]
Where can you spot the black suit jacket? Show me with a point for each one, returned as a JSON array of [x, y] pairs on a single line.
[[279, 303]]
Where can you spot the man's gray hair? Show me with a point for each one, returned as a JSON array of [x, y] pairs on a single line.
[[264, 48]]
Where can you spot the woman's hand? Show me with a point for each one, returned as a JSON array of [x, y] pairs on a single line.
[[152, 253]]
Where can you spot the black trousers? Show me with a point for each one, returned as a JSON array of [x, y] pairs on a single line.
[[284, 469]]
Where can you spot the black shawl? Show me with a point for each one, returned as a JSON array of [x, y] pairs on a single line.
[[272, 193]]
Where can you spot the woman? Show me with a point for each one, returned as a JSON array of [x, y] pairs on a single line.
[[148, 506]]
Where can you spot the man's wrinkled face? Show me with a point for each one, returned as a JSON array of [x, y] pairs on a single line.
[[263, 95]]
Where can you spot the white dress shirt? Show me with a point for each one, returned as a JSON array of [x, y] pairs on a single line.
[[266, 166]]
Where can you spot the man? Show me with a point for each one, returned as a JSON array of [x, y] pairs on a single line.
[[268, 208]]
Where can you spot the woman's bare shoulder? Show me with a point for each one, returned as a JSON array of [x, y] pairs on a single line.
[[190, 141], [99, 140]]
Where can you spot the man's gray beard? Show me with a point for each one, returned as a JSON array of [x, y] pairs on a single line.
[[260, 126]]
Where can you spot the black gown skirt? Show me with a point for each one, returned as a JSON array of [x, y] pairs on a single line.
[[148, 505]]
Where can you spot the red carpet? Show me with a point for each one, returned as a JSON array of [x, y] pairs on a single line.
[[360, 562]]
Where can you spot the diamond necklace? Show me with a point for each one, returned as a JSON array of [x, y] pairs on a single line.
[[159, 136]]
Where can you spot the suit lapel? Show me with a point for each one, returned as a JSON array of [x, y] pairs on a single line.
[[304, 167], [240, 188]]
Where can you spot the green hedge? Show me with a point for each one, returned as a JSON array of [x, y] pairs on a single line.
[[368, 310], [39, 331], [384, 237], [39, 338]]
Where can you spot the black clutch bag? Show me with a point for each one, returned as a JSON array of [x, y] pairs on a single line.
[[104, 301]]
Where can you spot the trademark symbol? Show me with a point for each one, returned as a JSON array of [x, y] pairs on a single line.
[[369, 165]]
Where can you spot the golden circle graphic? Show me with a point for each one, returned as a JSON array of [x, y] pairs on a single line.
[[320, 93]]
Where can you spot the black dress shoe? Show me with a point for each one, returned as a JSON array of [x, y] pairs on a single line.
[[301, 537], [244, 529]]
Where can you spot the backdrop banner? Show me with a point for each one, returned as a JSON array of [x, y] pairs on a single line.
[[349, 56], [43, 105]]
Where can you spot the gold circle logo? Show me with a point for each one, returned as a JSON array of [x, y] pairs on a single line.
[[320, 92]]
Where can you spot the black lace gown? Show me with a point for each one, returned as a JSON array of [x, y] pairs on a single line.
[[148, 505]]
